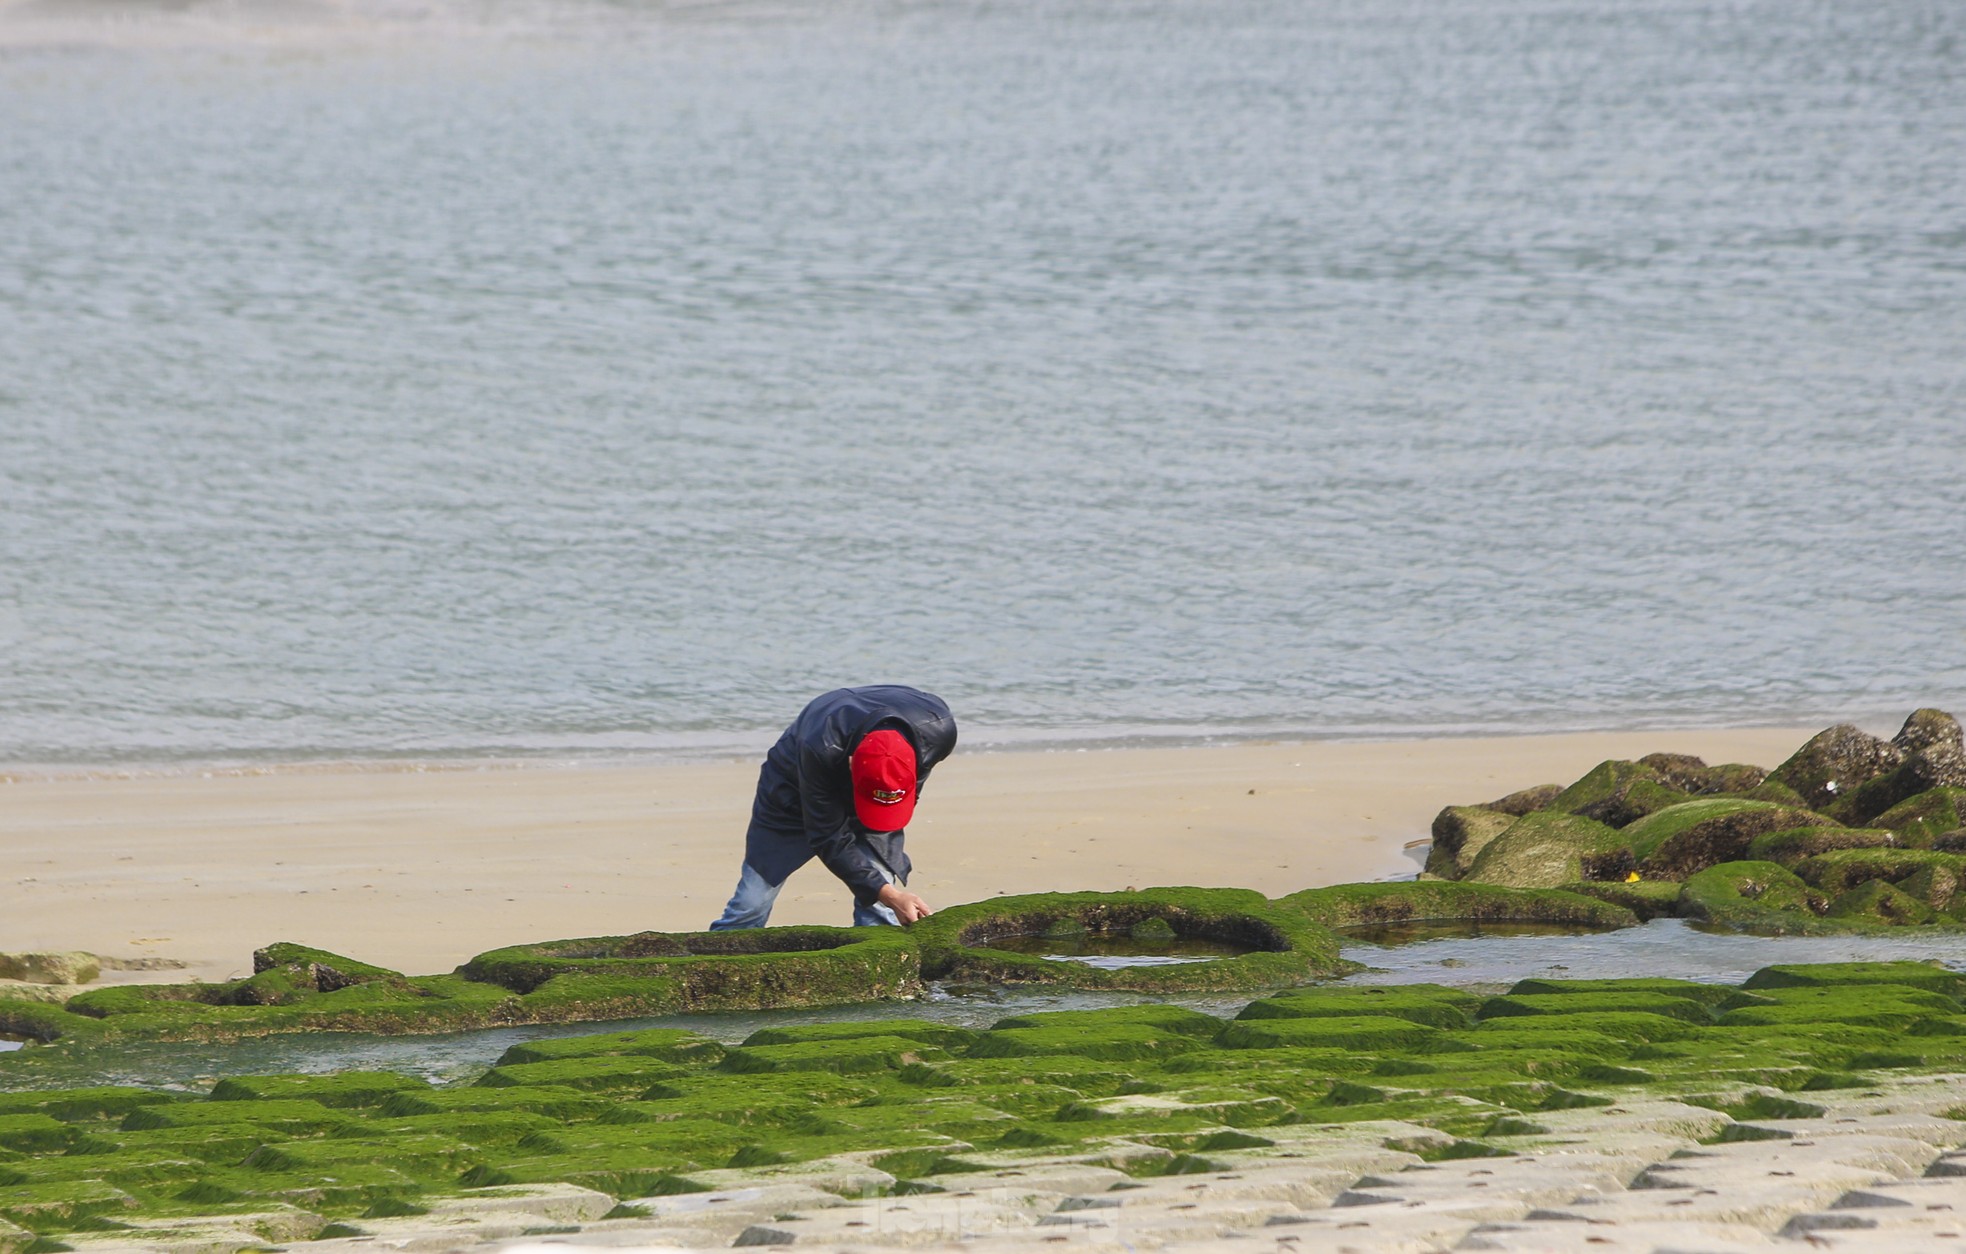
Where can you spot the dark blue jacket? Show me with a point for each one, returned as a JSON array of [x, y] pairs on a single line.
[[804, 807]]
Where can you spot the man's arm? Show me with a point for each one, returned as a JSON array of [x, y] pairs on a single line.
[[830, 832]]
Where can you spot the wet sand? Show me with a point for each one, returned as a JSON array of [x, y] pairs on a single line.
[[418, 869]]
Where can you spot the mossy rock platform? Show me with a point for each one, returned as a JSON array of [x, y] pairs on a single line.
[[1282, 946], [1851, 834], [608, 1124]]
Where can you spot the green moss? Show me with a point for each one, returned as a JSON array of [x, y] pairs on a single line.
[[1795, 844], [1546, 849], [553, 1101], [1918, 975], [583, 997], [342, 1089], [1646, 899], [608, 1073], [1421, 1003], [752, 968], [856, 1054], [1361, 905], [1571, 1003], [675, 1045], [1679, 842], [1685, 990], [76, 1105], [1364, 1032], [1115, 1042], [1838, 872], [292, 1116], [1934, 886], [1919, 819], [1285, 947], [943, 1035], [33, 1133], [1176, 1019], [1760, 895], [1878, 902], [1460, 833], [1602, 790]]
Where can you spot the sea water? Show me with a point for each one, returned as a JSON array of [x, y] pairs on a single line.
[[574, 378]]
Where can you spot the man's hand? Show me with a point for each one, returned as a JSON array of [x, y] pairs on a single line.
[[906, 906]]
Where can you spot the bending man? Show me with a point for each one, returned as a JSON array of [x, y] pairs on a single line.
[[840, 785]]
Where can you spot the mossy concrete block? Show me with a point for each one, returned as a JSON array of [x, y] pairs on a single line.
[[1834, 763], [50, 967], [1430, 1004], [1359, 1032], [341, 1089], [293, 1116], [856, 1054], [583, 997], [677, 1045], [34, 1133], [1921, 819], [1708, 995], [944, 1035], [1365, 905], [1795, 844], [81, 1105], [1461, 832], [492, 1129], [318, 970], [1571, 1003], [37, 1206], [748, 968], [1878, 902], [1839, 974], [1546, 850], [1115, 1042], [552, 1101], [1284, 947], [1176, 1019], [608, 1073]]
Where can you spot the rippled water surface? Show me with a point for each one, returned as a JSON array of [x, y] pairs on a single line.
[[581, 378]]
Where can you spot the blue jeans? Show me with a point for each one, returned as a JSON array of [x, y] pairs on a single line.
[[751, 904]]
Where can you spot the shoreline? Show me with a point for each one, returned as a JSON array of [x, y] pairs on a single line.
[[989, 742], [420, 870]]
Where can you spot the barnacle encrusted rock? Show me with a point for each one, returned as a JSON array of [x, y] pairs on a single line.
[[1834, 763]]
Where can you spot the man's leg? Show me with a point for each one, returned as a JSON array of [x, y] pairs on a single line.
[[876, 915], [750, 905]]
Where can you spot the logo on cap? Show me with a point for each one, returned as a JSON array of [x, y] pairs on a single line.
[[889, 796]]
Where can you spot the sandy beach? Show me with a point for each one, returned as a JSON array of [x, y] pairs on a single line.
[[418, 869]]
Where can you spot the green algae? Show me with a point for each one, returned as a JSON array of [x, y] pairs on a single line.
[[1793, 845], [1282, 946], [1921, 818], [1360, 905], [668, 1044], [1547, 850], [1761, 895]]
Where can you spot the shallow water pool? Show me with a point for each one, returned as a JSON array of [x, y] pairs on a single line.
[[1458, 954]]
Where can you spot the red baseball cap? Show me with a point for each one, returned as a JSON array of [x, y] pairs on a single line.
[[883, 767]]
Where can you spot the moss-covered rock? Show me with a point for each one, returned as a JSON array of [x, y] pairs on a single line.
[[1879, 902], [340, 1089], [1918, 975], [1367, 905], [1764, 896], [676, 1045], [1839, 871], [1461, 832], [1940, 765], [1430, 1004], [1646, 899], [745, 968], [1547, 849], [1835, 763], [1522, 801], [1936, 886], [1694, 835], [50, 967], [1792, 845], [1616, 793], [1284, 946], [1918, 821]]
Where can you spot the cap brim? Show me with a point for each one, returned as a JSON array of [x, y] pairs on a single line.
[[879, 818]]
